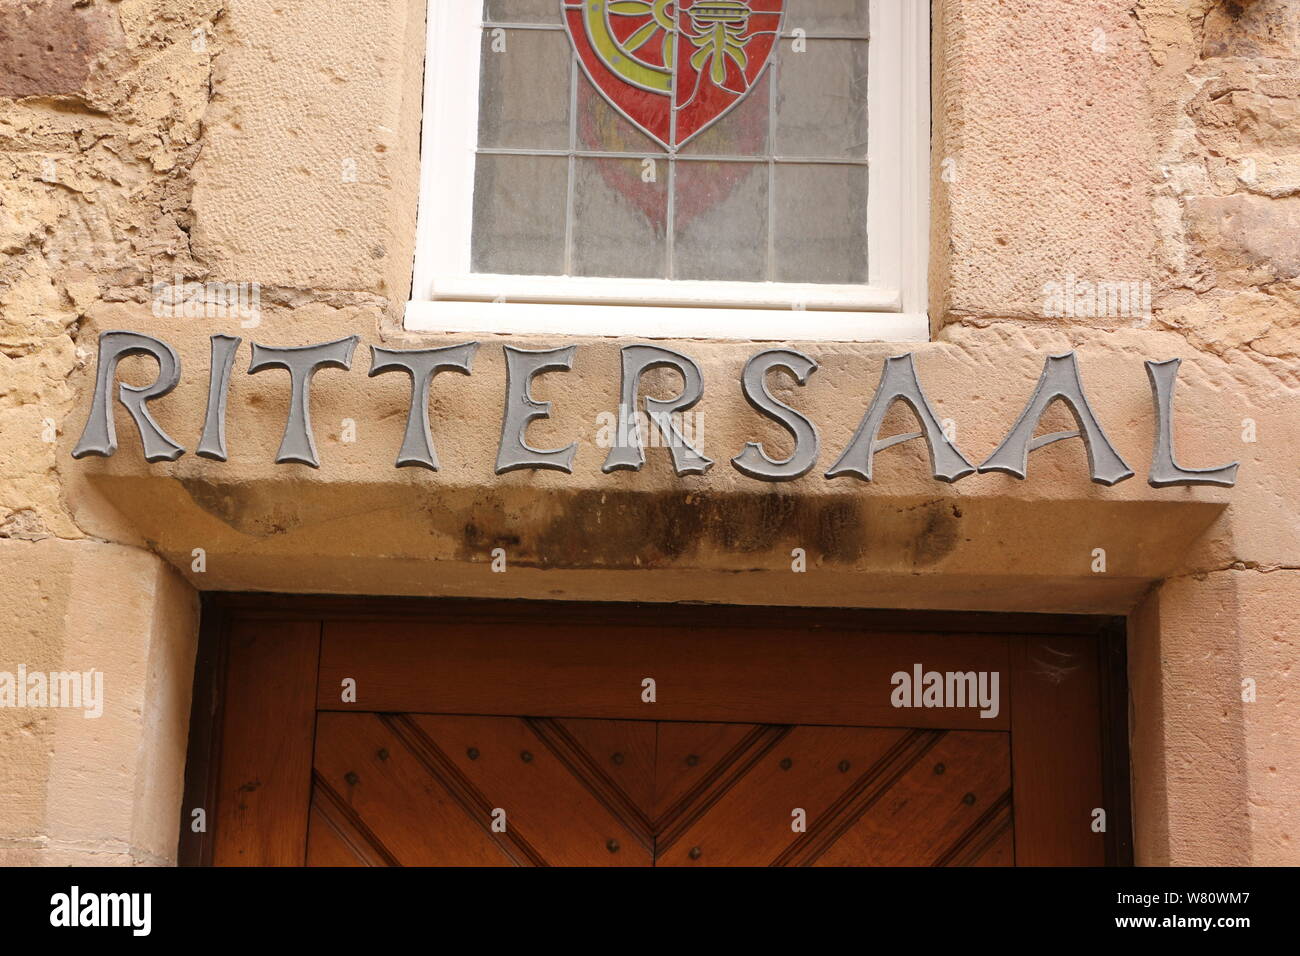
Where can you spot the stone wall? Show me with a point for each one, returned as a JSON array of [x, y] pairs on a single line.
[[1151, 141]]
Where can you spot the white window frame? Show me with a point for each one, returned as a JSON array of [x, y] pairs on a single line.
[[448, 297]]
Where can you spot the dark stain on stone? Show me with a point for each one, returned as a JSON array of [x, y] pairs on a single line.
[[477, 540], [840, 530], [625, 529], [677, 523], [938, 535], [242, 508], [225, 504], [617, 529], [48, 47], [754, 522]]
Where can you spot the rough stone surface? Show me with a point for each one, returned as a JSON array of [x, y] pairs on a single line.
[[1252, 28], [1150, 141], [311, 94], [48, 47], [92, 791], [1194, 731], [1050, 183]]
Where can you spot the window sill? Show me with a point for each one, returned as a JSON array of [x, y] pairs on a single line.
[[666, 322]]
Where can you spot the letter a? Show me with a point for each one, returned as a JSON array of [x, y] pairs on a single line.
[[1060, 380], [899, 383]]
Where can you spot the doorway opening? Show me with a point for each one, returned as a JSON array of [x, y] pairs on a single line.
[[373, 732]]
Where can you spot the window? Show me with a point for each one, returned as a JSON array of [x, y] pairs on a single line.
[[685, 168]]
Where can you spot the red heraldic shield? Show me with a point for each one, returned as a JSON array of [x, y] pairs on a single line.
[[674, 67]]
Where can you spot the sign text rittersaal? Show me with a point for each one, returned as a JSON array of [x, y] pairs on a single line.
[[1059, 381]]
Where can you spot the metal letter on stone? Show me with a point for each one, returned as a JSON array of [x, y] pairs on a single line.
[[899, 383], [1060, 380], [754, 461], [514, 452], [1165, 472], [628, 452], [213, 442], [99, 436], [302, 363], [422, 365]]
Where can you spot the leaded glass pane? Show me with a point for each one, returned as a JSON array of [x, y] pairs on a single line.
[[821, 223], [720, 221], [743, 131], [830, 16], [656, 139], [524, 92], [600, 127], [518, 11], [620, 219], [519, 213], [821, 101]]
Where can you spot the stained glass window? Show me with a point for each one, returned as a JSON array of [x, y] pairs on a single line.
[[673, 139]]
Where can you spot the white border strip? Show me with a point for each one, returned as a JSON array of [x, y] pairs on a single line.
[[639, 321], [667, 292]]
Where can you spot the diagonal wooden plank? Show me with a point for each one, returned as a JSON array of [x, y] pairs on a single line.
[[751, 822], [518, 772], [861, 794], [714, 782], [686, 756], [926, 810], [1001, 852], [329, 847], [623, 751], [989, 842], [337, 836], [471, 800], [405, 806], [591, 773]]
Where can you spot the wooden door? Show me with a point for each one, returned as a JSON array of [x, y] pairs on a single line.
[[833, 796], [401, 789], [479, 734]]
